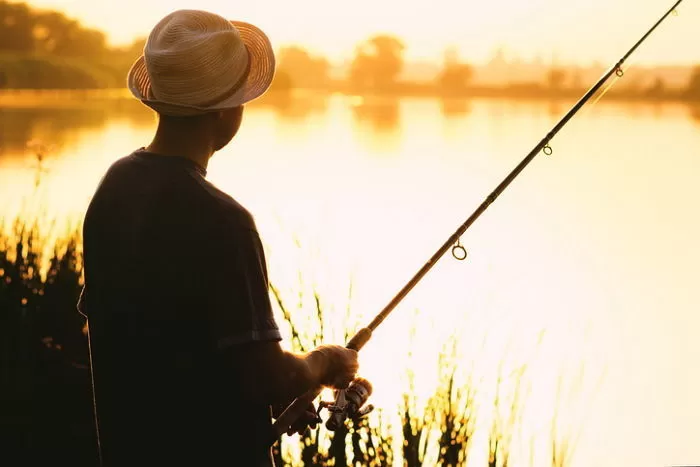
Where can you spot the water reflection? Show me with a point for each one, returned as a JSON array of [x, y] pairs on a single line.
[[554, 251], [61, 126], [694, 110], [555, 108], [294, 107], [60, 123], [454, 107], [381, 114], [377, 121]]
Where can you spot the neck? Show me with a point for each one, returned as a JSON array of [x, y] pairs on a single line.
[[182, 139]]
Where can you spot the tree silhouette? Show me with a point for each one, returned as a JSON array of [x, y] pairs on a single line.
[[556, 78], [302, 69], [121, 59], [46, 49], [377, 63], [657, 88], [282, 83], [24, 30], [455, 76], [692, 90], [16, 28]]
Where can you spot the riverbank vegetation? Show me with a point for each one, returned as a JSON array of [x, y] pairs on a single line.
[[46, 398]]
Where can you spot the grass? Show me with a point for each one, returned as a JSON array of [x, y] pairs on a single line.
[[45, 410], [46, 413]]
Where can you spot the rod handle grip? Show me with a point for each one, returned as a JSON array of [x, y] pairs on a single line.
[[293, 412], [360, 339]]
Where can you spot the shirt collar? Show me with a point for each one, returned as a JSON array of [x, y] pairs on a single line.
[[173, 160]]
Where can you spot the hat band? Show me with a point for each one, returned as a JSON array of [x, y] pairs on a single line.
[[234, 88]]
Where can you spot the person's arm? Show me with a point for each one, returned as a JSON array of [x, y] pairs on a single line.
[[270, 375], [244, 330], [273, 376]]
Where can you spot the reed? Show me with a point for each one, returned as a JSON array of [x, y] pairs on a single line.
[[45, 394]]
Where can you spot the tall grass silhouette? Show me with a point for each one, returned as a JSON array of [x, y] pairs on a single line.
[[45, 395]]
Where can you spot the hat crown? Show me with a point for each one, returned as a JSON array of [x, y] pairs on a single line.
[[183, 27], [196, 62], [193, 56]]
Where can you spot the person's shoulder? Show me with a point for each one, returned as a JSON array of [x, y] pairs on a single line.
[[227, 208], [121, 166], [115, 176]]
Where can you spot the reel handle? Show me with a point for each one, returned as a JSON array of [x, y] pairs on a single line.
[[298, 407]]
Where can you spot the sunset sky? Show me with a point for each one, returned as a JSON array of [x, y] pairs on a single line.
[[572, 30]]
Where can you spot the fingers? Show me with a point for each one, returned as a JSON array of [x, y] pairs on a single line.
[[312, 425], [346, 369], [308, 419], [341, 365], [342, 382]]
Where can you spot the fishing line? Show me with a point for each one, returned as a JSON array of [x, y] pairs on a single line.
[[94, 400], [620, 73]]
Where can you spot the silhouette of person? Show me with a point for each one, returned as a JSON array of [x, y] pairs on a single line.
[[185, 351]]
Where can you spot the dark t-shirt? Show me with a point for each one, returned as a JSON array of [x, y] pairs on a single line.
[[175, 280]]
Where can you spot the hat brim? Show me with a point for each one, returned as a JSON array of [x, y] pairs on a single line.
[[260, 75]]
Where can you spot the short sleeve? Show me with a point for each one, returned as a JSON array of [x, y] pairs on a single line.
[[238, 292]]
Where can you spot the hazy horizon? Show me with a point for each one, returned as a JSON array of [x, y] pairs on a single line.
[[567, 33]]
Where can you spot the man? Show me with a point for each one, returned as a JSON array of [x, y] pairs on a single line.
[[185, 350]]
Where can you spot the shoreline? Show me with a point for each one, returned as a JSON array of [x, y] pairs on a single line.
[[31, 98]]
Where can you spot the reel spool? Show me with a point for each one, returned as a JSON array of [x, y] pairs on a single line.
[[348, 404]]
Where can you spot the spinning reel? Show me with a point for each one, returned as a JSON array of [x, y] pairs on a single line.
[[348, 404]]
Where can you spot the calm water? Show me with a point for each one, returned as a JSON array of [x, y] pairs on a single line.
[[583, 275]]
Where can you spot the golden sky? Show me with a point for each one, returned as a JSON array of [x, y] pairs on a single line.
[[573, 30]]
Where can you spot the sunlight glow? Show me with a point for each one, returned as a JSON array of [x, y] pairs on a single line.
[[571, 31]]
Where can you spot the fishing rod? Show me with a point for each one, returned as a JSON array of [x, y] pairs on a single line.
[[358, 391]]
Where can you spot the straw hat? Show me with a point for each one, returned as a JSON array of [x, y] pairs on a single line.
[[196, 62]]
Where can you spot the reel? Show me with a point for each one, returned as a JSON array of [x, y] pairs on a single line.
[[349, 403]]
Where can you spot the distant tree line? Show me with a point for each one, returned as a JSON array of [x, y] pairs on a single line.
[[376, 66], [693, 89], [378, 62], [46, 49]]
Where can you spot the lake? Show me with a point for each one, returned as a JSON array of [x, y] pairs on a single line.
[[582, 279]]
